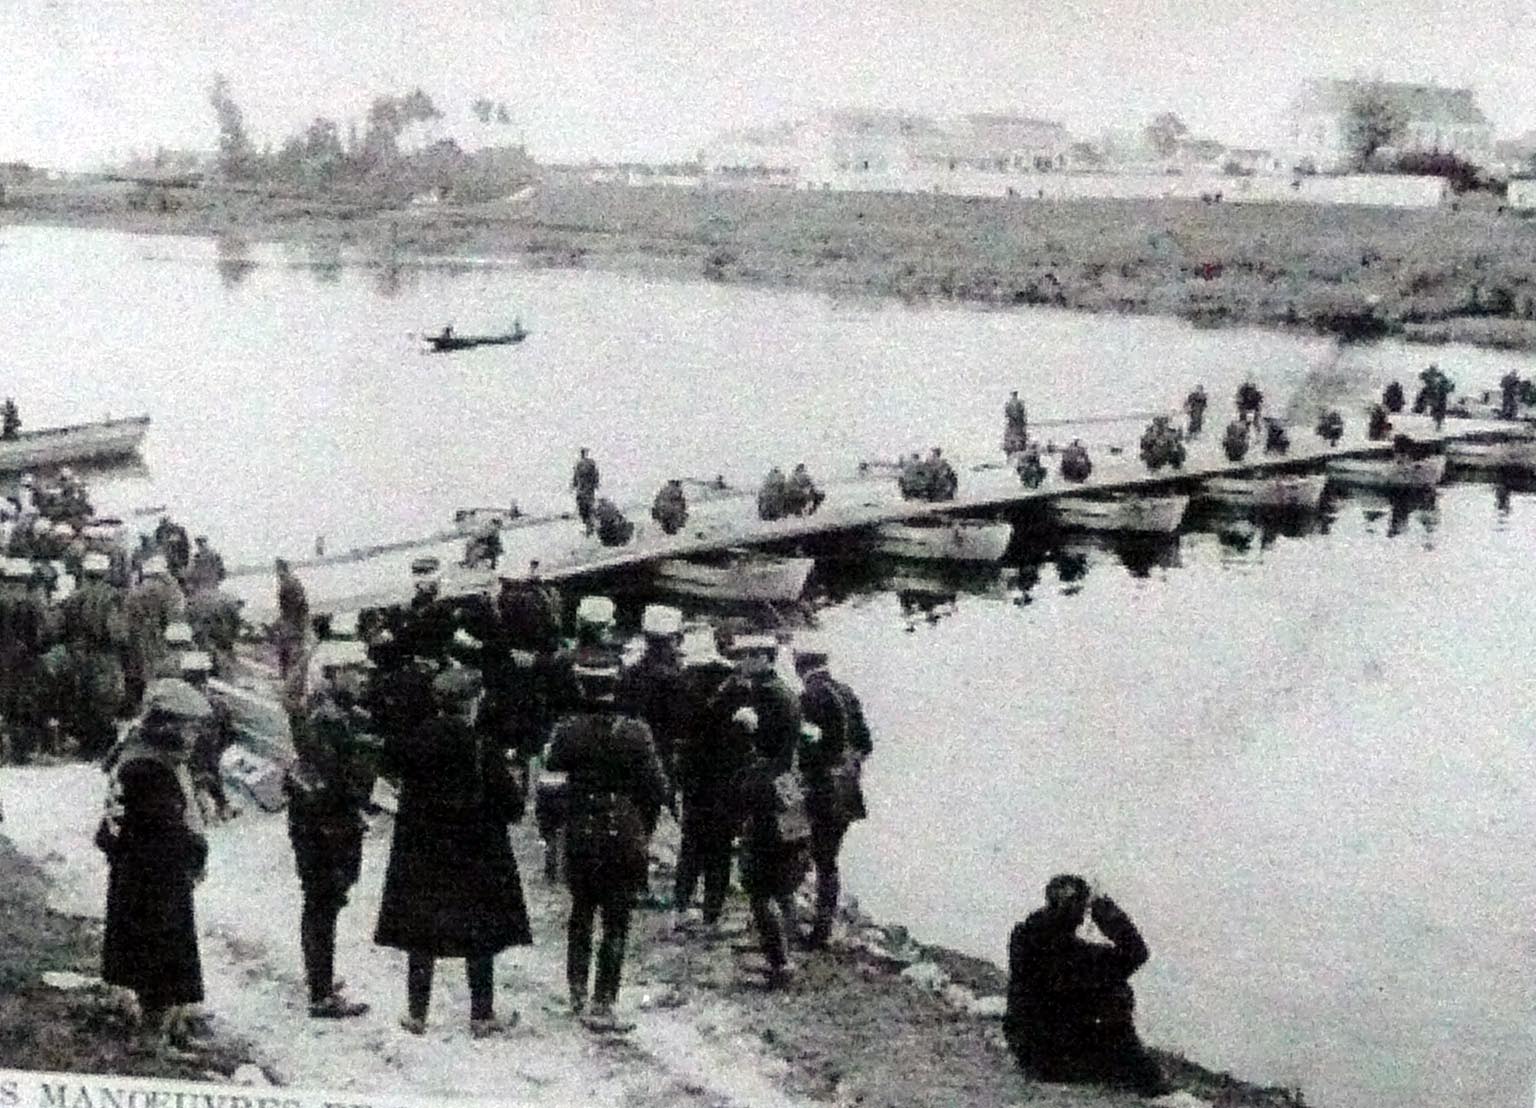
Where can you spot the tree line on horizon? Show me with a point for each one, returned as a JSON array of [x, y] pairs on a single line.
[[368, 159]]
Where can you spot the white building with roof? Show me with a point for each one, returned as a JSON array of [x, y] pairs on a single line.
[[1431, 120]]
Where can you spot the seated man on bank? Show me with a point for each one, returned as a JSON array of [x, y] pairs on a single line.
[[1070, 1003]]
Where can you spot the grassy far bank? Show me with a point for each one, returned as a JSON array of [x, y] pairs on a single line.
[[1451, 274], [43, 1028]]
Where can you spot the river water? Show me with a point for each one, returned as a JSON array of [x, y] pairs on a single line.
[[1300, 760]]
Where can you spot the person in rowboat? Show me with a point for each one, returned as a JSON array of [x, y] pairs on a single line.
[[1379, 426], [1392, 398], [1250, 402], [1276, 440], [944, 482], [1234, 442], [773, 497], [802, 497], [1015, 425], [1330, 427], [670, 509], [1075, 464]]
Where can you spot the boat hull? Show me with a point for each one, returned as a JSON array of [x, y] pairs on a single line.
[[1275, 493], [1141, 515], [106, 441], [1516, 454], [1418, 473], [744, 579], [439, 345], [949, 541]]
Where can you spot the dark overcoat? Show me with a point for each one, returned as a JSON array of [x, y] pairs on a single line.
[[154, 855], [452, 887]]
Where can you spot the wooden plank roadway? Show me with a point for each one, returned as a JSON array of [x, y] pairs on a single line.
[[566, 555]]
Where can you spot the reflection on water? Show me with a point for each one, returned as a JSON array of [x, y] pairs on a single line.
[[234, 260]]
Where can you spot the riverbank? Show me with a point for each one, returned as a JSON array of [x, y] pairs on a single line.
[[880, 1021], [1465, 273]]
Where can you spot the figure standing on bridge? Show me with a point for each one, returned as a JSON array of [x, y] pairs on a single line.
[[773, 497], [10, 419], [1015, 425], [1392, 397], [1330, 427], [802, 497], [1509, 395], [1234, 441], [1195, 404], [1380, 426], [585, 480]]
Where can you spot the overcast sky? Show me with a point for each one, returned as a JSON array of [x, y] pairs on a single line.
[[652, 79]]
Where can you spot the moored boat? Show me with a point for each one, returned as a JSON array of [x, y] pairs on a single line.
[[1390, 473], [1514, 454], [948, 540], [734, 574], [1135, 514], [1281, 492], [85, 442]]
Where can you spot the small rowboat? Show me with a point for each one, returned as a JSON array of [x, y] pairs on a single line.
[[1288, 492], [739, 575], [1516, 454], [86, 442], [1160, 515], [1391, 473], [445, 344], [945, 540]]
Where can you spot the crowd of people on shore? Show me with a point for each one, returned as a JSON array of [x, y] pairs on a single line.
[[473, 707], [86, 622]]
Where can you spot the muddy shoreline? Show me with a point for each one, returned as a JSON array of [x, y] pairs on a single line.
[[1464, 275]]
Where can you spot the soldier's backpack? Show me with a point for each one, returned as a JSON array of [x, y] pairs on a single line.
[[791, 823]]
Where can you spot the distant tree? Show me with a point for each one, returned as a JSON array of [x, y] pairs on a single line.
[[388, 117], [1164, 132], [237, 158], [1372, 120], [502, 115]]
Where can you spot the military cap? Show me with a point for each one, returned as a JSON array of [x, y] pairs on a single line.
[[755, 644], [334, 653], [463, 639], [178, 634], [595, 609], [344, 625], [661, 621], [196, 661], [746, 717], [15, 569], [699, 648], [173, 698]]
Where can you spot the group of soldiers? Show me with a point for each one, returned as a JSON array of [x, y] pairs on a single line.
[[930, 478], [604, 737], [84, 622], [796, 495]]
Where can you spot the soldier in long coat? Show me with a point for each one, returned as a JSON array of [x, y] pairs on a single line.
[[831, 766], [25, 634], [156, 851], [329, 786], [452, 889], [613, 774], [705, 773], [95, 626], [151, 606]]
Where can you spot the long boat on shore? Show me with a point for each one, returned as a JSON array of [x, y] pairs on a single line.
[[447, 343], [1511, 454], [105, 441]]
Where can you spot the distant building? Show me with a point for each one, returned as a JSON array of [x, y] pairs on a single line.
[[1432, 119], [864, 142], [759, 155], [995, 143]]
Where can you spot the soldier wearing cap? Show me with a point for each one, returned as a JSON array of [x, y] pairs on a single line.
[[652, 690], [704, 777], [25, 636], [152, 605], [832, 754], [207, 568], [215, 735], [595, 647], [329, 786], [96, 635], [451, 889], [178, 640], [156, 850], [291, 632], [172, 540], [613, 776], [215, 618], [613, 529]]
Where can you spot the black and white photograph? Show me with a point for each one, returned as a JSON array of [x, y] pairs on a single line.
[[767, 554]]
